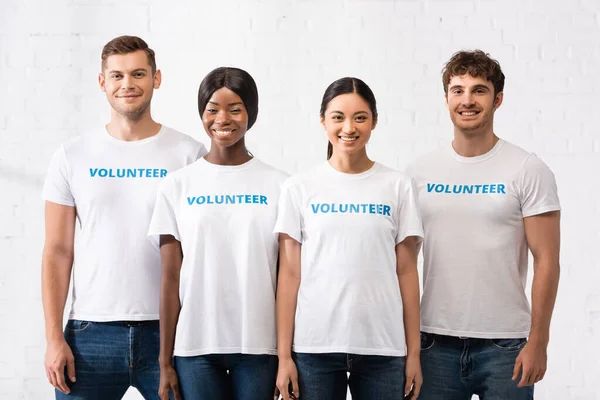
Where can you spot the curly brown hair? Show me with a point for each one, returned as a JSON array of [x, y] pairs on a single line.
[[475, 63], [126, 45]]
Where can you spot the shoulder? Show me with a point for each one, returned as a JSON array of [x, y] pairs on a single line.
[[527, 161], [316, 173], [428, 160], [181, 139], [273, 173], [393, 177]]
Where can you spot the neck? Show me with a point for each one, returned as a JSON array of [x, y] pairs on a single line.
[[129, 130], [351, 163], [473, 145], [232, 155]]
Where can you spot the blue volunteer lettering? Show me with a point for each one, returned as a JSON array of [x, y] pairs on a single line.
[[228, 199], [128, 172], [325, 208], [492, 188]]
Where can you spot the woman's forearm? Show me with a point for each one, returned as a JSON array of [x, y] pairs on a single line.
[[170, 306]]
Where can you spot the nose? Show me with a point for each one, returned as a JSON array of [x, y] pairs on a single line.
[[126, 82], [349, 126], [468, 98], [222, 117]]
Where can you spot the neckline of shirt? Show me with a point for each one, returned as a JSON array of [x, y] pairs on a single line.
[[228, 168], [141, 142], [346, 176], [483, 157]]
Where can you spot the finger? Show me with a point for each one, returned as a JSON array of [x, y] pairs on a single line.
[[542, 375], [276, 394], [51, 378], [517, 369], [163, 394], [283, 390], [71, 369], [417, 389], [525, 377], [60, 381], [295, 387], [176, 392], [408, 386]]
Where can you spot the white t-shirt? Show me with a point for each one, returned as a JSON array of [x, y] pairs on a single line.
[[224, 217], [349, 225], [475, 251], [112, 184]]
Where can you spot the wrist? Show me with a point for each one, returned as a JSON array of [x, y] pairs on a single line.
[[165, 362], [414, 354]]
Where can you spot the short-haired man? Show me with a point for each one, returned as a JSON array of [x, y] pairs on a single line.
[[107, 180], [484, 202]]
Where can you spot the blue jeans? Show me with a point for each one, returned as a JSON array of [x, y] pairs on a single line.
[[457, 368], [227, 376], [112, 356], [324, 376]]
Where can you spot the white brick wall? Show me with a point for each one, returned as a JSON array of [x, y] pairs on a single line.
[[549, 49]]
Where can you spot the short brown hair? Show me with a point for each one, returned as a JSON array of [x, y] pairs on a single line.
[[126, 45], [475, 63]]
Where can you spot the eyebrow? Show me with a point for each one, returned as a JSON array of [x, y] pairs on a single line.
[[356, 113], [230, 104], [114, 71], [478, 86]]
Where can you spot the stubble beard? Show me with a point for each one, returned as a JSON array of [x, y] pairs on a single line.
[[133, 115]]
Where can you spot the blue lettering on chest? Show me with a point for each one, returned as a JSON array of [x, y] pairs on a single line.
[[488, 188], [227, 199], [350, 208], [117, 173]]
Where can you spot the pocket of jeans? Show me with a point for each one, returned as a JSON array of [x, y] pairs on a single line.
[[509, 344], [77, 326], [427, 341]]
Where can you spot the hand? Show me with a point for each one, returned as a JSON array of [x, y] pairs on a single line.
[[168, 383], [59, 355], [414, 377], [285, 374], [276, 394], [530, 364]]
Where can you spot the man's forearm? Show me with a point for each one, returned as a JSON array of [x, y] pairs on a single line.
[[543, 297], [56, 275]]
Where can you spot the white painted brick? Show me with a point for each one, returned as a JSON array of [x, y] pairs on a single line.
[[549, 50]]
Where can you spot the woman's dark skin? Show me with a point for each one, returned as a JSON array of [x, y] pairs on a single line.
[[225, 121]]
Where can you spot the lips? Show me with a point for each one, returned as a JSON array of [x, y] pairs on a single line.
[[223, 132], [468, 113]]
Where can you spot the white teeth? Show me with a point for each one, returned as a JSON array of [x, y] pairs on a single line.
[[348, 139], [468, 113], [223, 133]]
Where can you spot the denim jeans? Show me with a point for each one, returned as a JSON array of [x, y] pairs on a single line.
[[325, 376], [112, 356], [227, 376], [457, 368]]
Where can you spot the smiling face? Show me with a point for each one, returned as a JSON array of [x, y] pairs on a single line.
[[471, 103], [128, 82], [348, 121], [225, 118]]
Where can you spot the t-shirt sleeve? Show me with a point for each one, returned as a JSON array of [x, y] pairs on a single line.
[[164, 216], [289, 218], [537, 187], [409, 217], [57, 186]]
